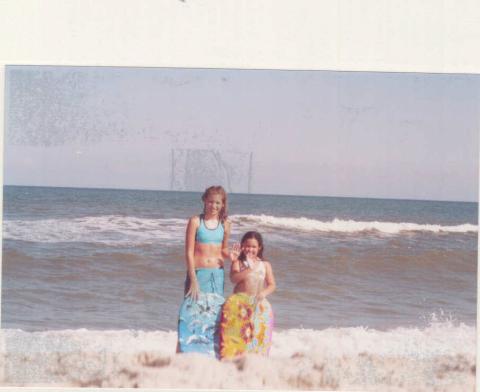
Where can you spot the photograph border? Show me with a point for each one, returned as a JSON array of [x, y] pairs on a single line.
[[303, 35]]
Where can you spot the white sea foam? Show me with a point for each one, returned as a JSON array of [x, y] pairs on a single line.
[[129, 230], [440, 357], [107, 229], [346, 226]]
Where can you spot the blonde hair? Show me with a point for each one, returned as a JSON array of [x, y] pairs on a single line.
[[217, 190]]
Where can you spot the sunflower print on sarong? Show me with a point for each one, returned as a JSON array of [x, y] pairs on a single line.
[[245, 327]]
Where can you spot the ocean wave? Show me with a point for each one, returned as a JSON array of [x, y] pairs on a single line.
[[439, 357], [346, 226], [119, 230], [106, 229]]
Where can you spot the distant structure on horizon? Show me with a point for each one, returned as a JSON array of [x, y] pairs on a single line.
[[196, 169]]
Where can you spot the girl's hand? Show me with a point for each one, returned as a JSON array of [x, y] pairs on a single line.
[[193, 290], [235, 252], [260, 296]]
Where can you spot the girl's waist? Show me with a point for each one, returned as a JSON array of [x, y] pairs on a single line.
[[248, 288], [208, 272], [211, 262]]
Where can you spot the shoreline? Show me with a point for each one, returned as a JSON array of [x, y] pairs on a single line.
[[441, 358]]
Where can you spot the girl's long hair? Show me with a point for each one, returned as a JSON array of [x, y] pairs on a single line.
[[217, 190], [248, 236]]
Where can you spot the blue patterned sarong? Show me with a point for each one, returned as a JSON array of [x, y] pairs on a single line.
[[198, 321]]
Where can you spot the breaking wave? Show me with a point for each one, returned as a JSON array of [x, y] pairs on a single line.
[[347, 226], [129, 230], [440, 357], [106, 229]]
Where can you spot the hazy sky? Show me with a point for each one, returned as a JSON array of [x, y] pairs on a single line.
[[385, 135]]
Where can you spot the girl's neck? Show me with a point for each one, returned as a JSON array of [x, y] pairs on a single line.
[[210, 216], [255, 260]]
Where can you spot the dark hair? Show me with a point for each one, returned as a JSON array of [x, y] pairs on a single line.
[[252, 235], [217, 190]]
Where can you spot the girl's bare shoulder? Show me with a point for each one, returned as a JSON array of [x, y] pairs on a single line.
[[195, 220], [267, 264]]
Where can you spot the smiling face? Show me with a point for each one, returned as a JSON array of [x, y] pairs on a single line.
[[251, 248], [213, 204]]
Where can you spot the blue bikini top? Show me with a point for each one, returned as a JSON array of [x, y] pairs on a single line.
[[209, 236]]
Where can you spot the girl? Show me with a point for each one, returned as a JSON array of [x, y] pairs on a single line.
[[247, 317], [206, 245]]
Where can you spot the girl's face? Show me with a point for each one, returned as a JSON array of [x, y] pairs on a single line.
[[213, 204], [250, 248]]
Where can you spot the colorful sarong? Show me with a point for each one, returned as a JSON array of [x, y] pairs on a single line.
[[246, 326], [199, 320]]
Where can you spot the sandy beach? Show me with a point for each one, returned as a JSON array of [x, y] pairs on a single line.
[[332, 359]]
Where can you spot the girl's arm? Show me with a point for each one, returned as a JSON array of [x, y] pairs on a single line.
[[237, 274], [192, 227], [226, 236], [270, 282]]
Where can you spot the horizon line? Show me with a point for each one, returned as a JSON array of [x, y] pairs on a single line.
[[242, 193]]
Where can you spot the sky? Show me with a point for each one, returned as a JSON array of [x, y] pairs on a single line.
[[322, 133]]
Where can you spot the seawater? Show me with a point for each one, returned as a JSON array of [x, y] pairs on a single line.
[[114, 259]]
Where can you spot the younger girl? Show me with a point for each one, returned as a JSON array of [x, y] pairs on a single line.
[[206, 245], [247, 317]]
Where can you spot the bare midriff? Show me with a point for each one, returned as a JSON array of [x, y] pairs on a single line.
[[250, 285], [208, 255], [247, 288], [243, 288]]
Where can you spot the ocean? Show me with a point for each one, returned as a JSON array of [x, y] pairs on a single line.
[[354, 276]]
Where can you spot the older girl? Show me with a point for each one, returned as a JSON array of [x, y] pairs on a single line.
[[206, 246]]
